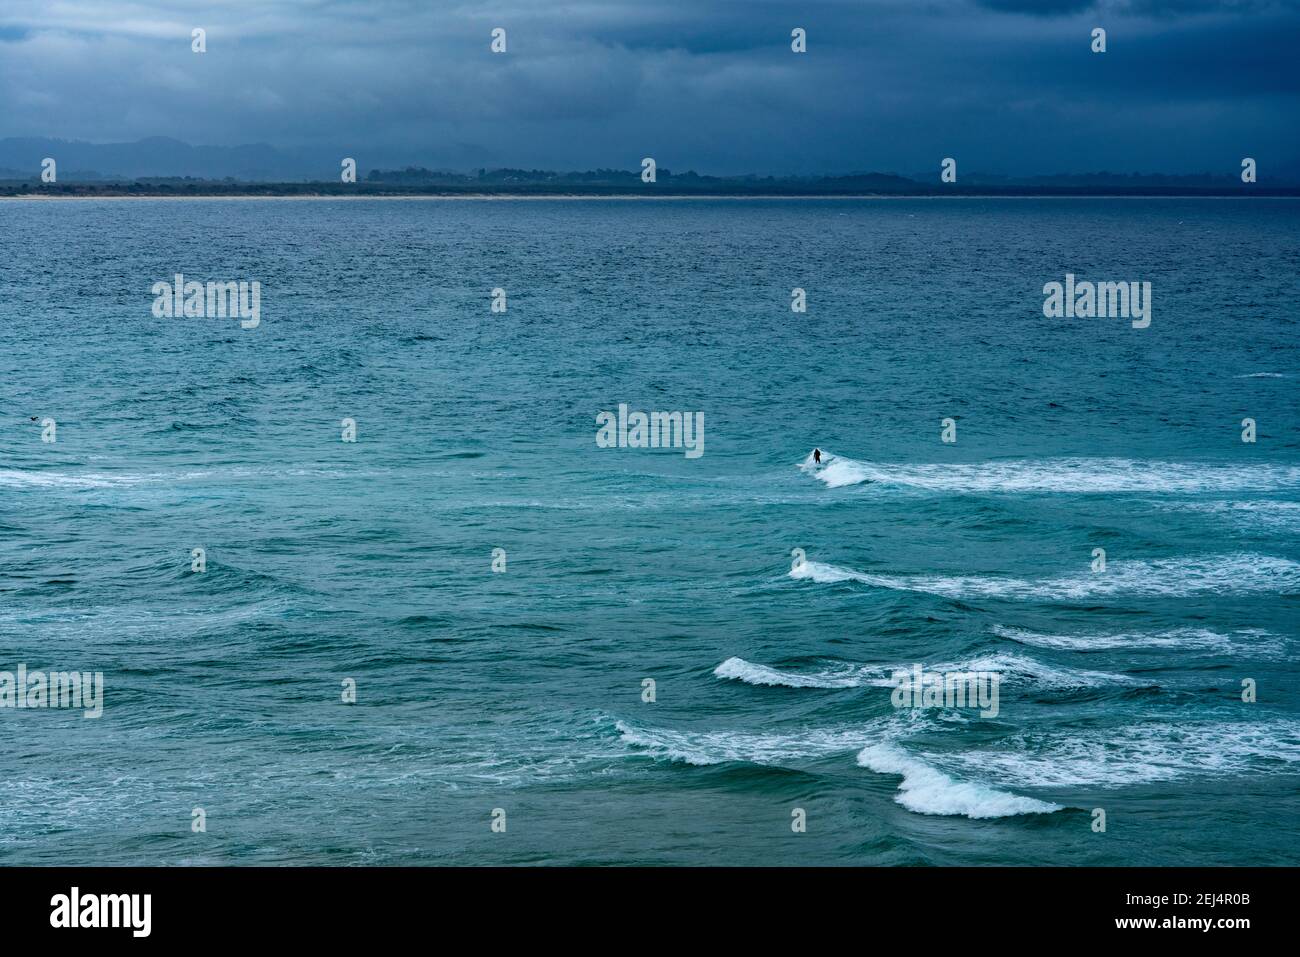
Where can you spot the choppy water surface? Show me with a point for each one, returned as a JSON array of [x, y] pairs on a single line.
[[522, 690]]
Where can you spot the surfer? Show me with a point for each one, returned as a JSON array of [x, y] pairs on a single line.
[[817, 456]]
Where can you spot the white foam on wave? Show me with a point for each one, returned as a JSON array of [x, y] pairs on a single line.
[[1261, 375], [923, 790], [17, 478], [1265, 515], [1137, 753], [1009, 667], [21, 478], [1069, 475], [1232, 574], [848, 676], [134, 624], [948, 783], [837, 471], [1022, 668], [704, 748], [927, 790], [1248, 640]]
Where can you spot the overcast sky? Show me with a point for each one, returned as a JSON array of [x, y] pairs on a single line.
[[1006, 86]]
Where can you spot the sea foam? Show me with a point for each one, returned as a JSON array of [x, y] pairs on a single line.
[[1011, 668], [1231, 574], [719, 747], [1138, 753], [1070, 475], [923, 790], [1245, 641]]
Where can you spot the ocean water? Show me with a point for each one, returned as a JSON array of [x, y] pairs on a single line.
[[522, 690]]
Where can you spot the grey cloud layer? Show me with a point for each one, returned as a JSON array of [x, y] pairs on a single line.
[[1187, 85]]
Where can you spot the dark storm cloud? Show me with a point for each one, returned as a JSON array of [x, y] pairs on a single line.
[[1039, 8], [1138, 8], [894, 85]]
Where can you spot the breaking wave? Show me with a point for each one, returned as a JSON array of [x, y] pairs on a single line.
[[926, 790], [923, 790], [847, 675]]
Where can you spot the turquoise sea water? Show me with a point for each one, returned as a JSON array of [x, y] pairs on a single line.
[[522, 690]]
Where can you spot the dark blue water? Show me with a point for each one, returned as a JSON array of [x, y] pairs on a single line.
[[522, 690]]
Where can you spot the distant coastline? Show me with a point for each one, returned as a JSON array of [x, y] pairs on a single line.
[[151, 169], [641, 196], [219, 190]]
